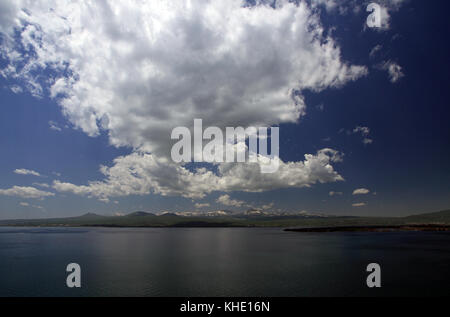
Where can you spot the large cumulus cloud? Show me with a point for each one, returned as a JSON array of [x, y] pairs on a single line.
[[137, 69]]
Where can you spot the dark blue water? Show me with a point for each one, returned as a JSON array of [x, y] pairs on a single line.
[[220, 262]]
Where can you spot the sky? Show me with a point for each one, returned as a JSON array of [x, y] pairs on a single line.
[[90, 92]]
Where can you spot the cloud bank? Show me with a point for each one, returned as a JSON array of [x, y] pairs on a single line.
[[142, 174], [25, 192]]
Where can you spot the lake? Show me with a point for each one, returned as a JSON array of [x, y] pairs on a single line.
[[220, 262]]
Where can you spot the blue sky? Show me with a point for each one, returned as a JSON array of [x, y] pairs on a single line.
[[403, 163]]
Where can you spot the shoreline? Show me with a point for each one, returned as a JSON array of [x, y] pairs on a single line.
[[365, 228], [394, 228]]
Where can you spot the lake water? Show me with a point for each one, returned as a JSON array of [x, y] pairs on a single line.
[[220, 262]]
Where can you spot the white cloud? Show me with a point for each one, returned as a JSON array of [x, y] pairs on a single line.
[[8, 15], [141, 174], [385, 18], [227, 201], [25, 204], [333, 193], [375, 50], [394, 70], [359, 204], [343, 7], [54, 126], [267, 206], [365, 132], [200, 205], [45, 185], [329, 5], [361, 191], [23, 171], [138, 69], [25, 192], [16, 89]]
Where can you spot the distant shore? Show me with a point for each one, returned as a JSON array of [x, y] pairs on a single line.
[[428, 227], [437, 221]]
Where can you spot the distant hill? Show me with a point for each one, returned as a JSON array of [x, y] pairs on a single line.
[[140, 214], [434, 217], [90, 215], [145, 219]]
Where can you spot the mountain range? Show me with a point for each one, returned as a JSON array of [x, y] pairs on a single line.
[[224, 218]]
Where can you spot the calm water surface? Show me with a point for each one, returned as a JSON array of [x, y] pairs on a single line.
[[220, 262]]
